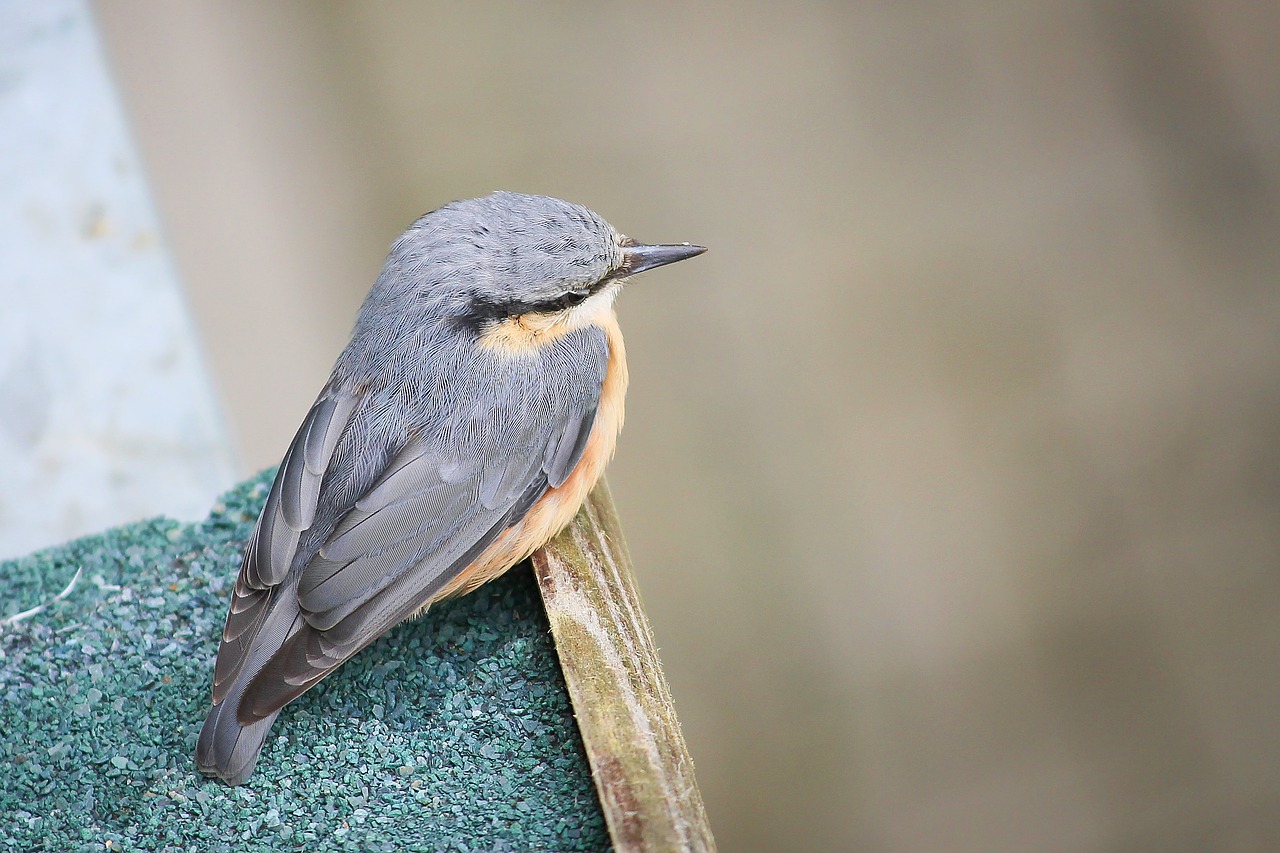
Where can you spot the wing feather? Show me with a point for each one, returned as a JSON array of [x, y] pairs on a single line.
[[561, 462], [318, 649], [431, 503], [288, 512]]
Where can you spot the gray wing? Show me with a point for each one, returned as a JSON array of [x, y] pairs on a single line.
[[290, 511], [415, 531], [435, 503]]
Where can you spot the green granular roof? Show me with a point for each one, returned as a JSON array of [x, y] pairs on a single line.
[[453, 732]]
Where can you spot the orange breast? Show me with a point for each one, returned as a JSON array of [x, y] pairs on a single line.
[[558, 506]]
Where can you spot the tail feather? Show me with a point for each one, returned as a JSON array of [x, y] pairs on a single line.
[[227, 749]]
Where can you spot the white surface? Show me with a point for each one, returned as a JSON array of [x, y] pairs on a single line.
[[106, 414]]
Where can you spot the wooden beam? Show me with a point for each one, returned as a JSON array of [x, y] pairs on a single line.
[[638, 757]]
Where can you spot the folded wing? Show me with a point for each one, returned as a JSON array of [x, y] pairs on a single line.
[[320, 582]]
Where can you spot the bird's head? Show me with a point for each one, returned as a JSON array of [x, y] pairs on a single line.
[[510, 260]]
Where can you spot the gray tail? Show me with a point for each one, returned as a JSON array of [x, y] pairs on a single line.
[[227, 749]]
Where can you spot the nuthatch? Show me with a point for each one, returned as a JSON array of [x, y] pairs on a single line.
[[463, 426]]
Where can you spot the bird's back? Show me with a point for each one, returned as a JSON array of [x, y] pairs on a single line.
[[393, 489]]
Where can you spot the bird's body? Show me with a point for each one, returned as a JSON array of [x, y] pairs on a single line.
[[475, 407]]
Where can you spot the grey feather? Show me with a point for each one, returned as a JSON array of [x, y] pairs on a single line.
[[289, 510], [423, 448], [566, 448]]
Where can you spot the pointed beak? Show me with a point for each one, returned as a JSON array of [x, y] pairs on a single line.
[[637, 258]]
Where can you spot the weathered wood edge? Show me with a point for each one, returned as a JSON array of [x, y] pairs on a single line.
[[638, 757]]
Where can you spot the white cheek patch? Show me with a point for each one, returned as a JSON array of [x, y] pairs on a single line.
[[593, 309]]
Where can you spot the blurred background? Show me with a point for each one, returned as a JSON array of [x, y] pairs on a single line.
[[951, 472]]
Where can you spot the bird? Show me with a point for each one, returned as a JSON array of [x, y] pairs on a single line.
[[470, 414]]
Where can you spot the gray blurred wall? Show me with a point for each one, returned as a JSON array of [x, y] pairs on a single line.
[[106, 410], [952, 472]]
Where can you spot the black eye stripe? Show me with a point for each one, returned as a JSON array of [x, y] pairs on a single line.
[[484, 310]]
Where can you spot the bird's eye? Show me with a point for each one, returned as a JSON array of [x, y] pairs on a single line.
[[572, 298]]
